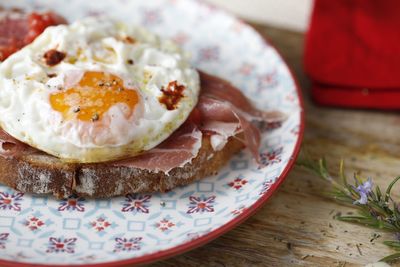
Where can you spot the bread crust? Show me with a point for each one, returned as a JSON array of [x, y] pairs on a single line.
[[44, 174]]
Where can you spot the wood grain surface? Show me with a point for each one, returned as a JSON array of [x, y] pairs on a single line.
[[297, 226]]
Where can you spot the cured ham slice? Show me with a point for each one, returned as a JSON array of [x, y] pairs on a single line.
[[180, 148], [221, 112], [220, 89], [10, 147], [220, 132], [221, 103]]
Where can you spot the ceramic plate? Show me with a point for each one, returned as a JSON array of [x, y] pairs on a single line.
[[140, 228]]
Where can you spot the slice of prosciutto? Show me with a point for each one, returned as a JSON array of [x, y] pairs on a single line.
[[222, 105], [222, 90], [177, 150], [11, 147]]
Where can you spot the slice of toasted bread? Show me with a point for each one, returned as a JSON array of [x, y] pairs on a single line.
[[40, 173]]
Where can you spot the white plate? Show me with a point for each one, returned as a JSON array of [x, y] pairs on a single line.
[[140, 228]]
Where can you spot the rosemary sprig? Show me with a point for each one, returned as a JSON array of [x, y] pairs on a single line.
[[375, 209]]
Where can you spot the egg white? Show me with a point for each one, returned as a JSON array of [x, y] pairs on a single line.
[[103, 45]]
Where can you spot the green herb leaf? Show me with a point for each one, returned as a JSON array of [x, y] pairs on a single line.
[[391, 258]]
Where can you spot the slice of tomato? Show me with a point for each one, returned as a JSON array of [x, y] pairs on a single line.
[[18, 29]]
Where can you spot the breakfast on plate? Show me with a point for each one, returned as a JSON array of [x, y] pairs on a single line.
[[100, 108]]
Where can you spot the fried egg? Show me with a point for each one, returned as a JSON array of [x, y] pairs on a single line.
[[96, 90]]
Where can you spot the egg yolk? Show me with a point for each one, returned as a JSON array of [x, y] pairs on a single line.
[[95, 93]]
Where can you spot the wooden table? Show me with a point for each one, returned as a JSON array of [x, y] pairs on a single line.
[[296, 227]]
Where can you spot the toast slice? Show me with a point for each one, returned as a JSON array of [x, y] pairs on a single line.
[[41, 173]]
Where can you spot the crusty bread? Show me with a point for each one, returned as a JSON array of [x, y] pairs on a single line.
[[44, 174]]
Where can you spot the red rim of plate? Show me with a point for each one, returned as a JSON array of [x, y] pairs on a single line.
[[185, 247]]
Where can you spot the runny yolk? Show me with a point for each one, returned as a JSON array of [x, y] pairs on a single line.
[[95, 93]]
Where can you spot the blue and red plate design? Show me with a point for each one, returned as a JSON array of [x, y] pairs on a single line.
[[140, 228]]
